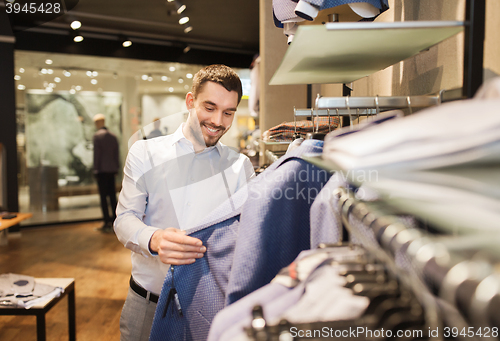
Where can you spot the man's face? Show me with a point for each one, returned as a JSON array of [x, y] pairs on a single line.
[[212, 111]]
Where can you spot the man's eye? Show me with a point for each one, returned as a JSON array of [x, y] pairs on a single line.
[[209, 109], [228, 113]]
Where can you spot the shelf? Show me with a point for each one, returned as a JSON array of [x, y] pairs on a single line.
[[345, 52]]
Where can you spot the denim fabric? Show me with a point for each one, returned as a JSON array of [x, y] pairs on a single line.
[[246, 246]]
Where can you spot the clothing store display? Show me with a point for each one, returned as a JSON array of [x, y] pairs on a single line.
[[162, 174], [412, 143], [24, 292], [241, 240], [287, 131]]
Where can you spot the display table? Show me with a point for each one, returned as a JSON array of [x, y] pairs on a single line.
[[39, 310], [6, 223]]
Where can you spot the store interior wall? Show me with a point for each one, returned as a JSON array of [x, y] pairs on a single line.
[[440, 67]]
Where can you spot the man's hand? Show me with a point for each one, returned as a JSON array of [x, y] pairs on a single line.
[[174, 247]]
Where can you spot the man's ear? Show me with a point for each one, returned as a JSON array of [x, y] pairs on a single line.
[[189, 100]]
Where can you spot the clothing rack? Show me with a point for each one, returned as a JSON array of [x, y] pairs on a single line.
[[462, 278]]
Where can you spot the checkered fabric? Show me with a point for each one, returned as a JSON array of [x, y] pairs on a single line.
[[246, 247]]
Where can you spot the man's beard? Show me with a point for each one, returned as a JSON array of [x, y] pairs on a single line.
[[209, 139]]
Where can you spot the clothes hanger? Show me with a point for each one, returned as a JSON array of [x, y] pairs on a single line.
[[316, 135], [348, 111], [409, 104]]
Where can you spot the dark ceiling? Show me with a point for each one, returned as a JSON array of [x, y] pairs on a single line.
[[224, 31]]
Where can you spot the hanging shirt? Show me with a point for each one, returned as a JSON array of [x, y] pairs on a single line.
[[166, 184]]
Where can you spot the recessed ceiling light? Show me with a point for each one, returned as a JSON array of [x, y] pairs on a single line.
[[50, 71], [21, 87], [171, 89], [188, 29], [164, 78], [17, 77], [67, 73], [89, 73], [93, 81], [181, 80], [186, 87], [78, 39], [189, 75], [76, 25], [150, 79], [57, 80], [181, 9], [49, 89], [127, 43], [78, 88], [172, 68], [144, 77], [48, 61], [95, 73], [183, 20], [21, 70], [72, 91], [43, 71]]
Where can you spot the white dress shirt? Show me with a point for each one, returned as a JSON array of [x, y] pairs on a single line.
[[166, 184]]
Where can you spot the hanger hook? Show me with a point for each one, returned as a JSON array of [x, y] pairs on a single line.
[[377, 108], [409, 104], [348, 110], [295, 122], [329, 122], [317, 113], [338, 117]]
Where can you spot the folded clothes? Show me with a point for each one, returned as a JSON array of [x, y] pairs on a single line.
[[288, 131], [459, 133]]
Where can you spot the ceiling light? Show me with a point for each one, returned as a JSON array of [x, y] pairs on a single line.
[[127, 43], [170, 0], [50, 71], [172, 68], [164, 78], [21, 87], [17, 77], [181, 9], [186, 87], [186, 49], [21, 70], [48, 61], [183, 20], [78, 39], [150, 79], [72, 91], [67, 73], [78, 88], [89, 73], [188, 29], [75, 25], [171, 89], [144, 77], [93, 81], [181, 80], [49, 89], [57, 80], [189, 75], [43, 71], [95, 73]]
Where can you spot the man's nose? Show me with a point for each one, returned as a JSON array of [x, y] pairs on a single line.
[[216, 118]]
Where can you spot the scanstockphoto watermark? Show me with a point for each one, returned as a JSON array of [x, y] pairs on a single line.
[[363, 333]]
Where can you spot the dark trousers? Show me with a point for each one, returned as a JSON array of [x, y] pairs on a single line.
[[107, 189]]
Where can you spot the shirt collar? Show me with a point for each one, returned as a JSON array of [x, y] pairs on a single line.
[[179, 136]]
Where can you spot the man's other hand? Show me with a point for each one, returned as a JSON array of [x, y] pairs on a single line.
[[174, 247]]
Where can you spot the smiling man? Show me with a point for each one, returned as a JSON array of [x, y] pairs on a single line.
[[171, 184]]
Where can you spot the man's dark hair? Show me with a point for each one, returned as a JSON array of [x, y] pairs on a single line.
[[220, 74]]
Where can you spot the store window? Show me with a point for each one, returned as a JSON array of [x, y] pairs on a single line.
[[57, 97]]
